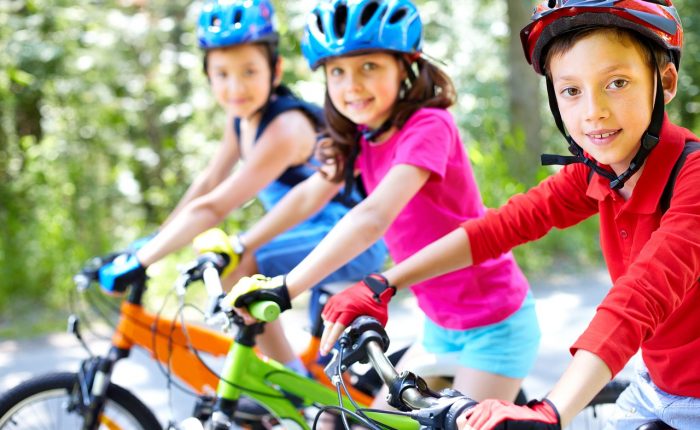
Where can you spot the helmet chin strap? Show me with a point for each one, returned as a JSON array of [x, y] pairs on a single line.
[[649, 140], [349, 173], [370, 134]]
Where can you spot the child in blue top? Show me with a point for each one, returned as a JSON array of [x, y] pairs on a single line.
[[274, 133]]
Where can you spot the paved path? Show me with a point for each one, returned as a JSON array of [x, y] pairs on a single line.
[[565, 304]]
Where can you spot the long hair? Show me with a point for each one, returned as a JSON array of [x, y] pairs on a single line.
[[431, 87]]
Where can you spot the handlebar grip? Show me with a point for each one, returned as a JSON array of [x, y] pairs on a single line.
[[265, 311], [458, 408]]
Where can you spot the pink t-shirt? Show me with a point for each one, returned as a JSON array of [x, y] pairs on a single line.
[[475, 296]]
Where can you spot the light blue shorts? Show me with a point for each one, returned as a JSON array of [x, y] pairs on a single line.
[[286, 251], [506, 348], [643, 402]]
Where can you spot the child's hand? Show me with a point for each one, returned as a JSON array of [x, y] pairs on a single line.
[[116, 276], [368, 297], [257, 288], [500, 415], [216, 240]]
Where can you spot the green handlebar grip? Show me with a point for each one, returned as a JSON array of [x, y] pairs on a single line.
[[265, 311]]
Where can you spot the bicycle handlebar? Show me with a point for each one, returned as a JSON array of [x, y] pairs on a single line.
[[434, 410], [211, 265], [206, 267], [366, 340]]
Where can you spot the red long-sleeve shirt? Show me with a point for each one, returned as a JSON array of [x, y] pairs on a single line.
[[653, 260]]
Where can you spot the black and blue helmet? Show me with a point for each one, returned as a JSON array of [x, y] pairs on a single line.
[[225, 23], [341, 27]]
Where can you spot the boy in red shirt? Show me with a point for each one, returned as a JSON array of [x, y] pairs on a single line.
[[610, 67]]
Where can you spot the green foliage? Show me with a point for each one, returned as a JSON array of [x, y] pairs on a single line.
[[101, 132], [106, 116]]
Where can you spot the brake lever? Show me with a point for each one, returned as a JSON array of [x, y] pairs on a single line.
[[354, 340]]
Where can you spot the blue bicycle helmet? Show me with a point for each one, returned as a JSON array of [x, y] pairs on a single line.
[[341, 27], [225, 23]]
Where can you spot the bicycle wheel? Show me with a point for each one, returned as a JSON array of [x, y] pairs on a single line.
[[43, 403], [600, 409]]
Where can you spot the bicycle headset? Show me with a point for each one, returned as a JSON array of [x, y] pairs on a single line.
[[656, 21]]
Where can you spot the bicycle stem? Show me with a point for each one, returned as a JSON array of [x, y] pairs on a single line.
[[411, 396]]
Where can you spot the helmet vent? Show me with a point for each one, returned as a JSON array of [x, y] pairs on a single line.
[[368, 12], [319, 23], [237, 18], [215, 22], [397, 16], [340, 20]]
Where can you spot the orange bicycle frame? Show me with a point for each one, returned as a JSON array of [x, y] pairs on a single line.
[[167, 342]]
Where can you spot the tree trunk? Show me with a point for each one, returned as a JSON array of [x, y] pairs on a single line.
[[523, 85]]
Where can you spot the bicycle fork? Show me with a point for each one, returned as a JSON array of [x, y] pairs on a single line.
[[93, 379]]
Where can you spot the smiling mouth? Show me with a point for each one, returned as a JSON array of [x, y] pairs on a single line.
[[604, 135], [358, 104]]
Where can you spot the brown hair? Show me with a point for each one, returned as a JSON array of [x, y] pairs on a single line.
[[431, 87], [650, 50]]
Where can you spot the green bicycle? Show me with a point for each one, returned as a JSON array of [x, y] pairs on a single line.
[[290, 397]]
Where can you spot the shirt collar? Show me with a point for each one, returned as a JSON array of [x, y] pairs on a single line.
[[657, 169]]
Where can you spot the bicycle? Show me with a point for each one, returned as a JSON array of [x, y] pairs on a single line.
[[366, 341], [281, 391], [88, 399]]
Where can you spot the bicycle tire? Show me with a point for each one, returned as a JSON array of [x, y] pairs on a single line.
[[41, 402]]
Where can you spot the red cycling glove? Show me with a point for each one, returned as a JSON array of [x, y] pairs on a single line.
[[368, 297], [502, 415]]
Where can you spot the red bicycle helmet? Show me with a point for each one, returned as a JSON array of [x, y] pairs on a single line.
[[656, 20]]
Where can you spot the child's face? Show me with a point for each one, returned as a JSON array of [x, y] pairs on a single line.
[[364, 87], [240, 78], [605, 92]]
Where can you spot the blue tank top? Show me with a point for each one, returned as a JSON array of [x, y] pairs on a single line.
[[273, 193]]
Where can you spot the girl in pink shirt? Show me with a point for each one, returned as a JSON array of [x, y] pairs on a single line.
[[386, 110]]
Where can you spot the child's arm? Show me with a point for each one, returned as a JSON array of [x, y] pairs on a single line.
[[299, 204], [219, 167], [360, 228], [447, 254], [586, 375], [555, 202], [278, 148]]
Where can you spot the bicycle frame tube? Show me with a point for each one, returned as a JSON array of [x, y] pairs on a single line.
[[170, 345], [264, 380]]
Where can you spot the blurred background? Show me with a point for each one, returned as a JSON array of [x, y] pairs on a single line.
[[106, 117]]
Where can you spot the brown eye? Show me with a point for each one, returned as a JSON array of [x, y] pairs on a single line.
[[369, 66], [618, 83]]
